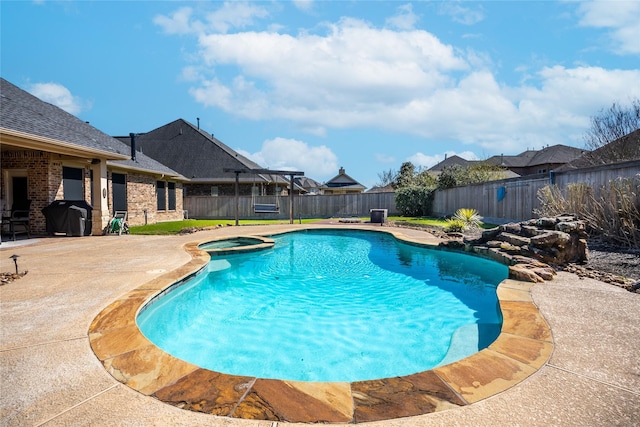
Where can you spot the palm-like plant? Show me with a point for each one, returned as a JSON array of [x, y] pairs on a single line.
[[469, 217]]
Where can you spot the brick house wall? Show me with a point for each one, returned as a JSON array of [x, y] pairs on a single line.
[[38, 168], [45, 184], [142, 204]]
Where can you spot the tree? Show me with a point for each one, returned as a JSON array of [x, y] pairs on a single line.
[[387, 178], [405, 175], [451, 176], [454, 175], [424, 178], [614, 134]]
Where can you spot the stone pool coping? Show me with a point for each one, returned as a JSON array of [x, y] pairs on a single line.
[[523, 347]]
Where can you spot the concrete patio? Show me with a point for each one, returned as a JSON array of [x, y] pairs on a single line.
[[50, 375]]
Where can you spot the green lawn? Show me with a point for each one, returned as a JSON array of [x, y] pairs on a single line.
[[175, 227]]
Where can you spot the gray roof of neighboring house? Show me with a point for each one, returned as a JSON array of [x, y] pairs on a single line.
[[555, 154], [20, 111], [307, 183], [622, 149], [521, 160], [450, 161], [195, 153], [548, 155], [342, 180], [385, 189]]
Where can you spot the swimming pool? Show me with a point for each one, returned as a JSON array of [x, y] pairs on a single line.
[[330, 305]]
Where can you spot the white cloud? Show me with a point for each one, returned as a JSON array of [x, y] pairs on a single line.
[[292, 154], [229, 16], [405, 19], [354, 75], [350, 76], [179, 22], [304, 5], [426, 161], [621, 17], [462, 14], [59, 96]]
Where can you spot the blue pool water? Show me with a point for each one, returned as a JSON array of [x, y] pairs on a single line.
[[330, 305]]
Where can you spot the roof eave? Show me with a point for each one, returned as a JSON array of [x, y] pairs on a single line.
[[119, 166], [42, 143]]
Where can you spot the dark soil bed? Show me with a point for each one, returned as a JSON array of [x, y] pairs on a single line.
[[611, 264]]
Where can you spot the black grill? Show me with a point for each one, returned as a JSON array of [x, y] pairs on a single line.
[[70, 217]]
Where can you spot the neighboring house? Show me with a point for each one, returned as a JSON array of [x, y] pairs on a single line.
[[533, 162], [307, 186], [342, 184], [49, 154], [202, 158], [450, 161], [528, 162], [622, 149], [377, 189]]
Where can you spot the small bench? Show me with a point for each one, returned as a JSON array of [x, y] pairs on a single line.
[[265, 208]]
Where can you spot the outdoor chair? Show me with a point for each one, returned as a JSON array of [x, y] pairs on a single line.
[[17, 220]]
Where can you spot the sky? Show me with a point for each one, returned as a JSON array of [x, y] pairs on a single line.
[[313, 85]]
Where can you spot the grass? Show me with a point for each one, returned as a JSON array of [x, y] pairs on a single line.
[[435, 222], [174, 227]]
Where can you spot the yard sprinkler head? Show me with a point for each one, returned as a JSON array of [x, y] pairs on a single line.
[[15, 257]]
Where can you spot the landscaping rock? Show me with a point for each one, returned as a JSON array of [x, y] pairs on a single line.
[[525, 273], [514, 239], [551, 239]]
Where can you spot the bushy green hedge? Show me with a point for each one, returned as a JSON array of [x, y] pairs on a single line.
[[414, 201]]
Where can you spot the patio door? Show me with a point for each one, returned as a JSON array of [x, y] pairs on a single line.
[[16, 189]]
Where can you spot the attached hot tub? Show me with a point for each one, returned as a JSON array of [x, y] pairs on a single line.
[[226, 246]]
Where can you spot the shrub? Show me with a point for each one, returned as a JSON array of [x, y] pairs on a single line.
[[612, 213], [414, 201], [454, 226], [469, 217]]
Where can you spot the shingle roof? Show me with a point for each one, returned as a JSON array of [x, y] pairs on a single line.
[[449, 161], [342, 180], [521, 160], [193, 152], [548, 155], [555, 154], [622, 149], [20, 111]]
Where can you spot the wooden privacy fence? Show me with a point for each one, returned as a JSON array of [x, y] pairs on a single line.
[[515, 199], [327, 206]]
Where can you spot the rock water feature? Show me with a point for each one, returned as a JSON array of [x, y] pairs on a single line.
[[530, 248]]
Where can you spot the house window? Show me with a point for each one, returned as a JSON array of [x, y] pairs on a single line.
[[214, 190], [161, 196], [73, 183], [542, 171], [119, 191], [172, 196]]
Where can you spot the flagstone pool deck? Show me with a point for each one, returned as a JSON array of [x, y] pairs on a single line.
[[67, 341]]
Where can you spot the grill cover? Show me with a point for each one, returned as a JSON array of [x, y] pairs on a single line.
[[70, 217]]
